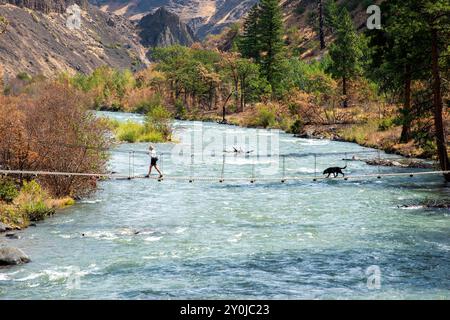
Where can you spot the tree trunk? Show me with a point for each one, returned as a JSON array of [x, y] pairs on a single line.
[[243, 100], [344, 91], [406, 130], [438, 106], [321, 32], [236, 96], [243, 81], [224, 110]]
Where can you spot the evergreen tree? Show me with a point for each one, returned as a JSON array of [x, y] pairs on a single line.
[[331, 15], [398, 60], [271, 44], [410, 49], [321, 25], [436, 21], [346, 53], [249, 41]]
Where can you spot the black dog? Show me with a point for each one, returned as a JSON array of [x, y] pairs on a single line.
[[336, 171]]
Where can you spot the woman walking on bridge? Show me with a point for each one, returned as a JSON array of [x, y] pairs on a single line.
[[153, 162]]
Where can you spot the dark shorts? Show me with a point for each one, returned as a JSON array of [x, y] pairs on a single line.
[[154, 161]]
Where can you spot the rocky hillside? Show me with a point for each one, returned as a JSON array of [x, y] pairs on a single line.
[[301, 26], [163, 28], [46, 6], [203, 16], [37, 40]]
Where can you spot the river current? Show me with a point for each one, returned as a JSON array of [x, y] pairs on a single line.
[[331, 239]]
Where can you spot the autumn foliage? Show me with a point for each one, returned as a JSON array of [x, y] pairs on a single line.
[[50, 129]]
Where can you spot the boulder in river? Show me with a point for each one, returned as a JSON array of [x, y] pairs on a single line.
[[4, 227], [10, 256], [12, 236]]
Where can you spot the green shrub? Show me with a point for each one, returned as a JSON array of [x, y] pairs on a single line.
[[386, 124], [146, 106], [309, 77], [265, 117], [297, 126], [136, 132], [158, 119], [3, 24], [32, 201], [152, 136], [24, 76], [37, 211], [180, 109], [129, 131], [8, 190], [108, 86], [112, 124]]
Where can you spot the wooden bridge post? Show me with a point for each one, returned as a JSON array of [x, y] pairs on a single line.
[[315, 167], [223, 169]]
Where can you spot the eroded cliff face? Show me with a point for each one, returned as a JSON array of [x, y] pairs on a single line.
[[37, 41], [203, 16], [163, 28], [46, 6]]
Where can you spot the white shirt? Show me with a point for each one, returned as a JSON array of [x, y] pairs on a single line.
[[152, 153]]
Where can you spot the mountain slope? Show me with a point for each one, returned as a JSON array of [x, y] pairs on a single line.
[[46, 6], [163, 28], [203, 16], [37, 40]]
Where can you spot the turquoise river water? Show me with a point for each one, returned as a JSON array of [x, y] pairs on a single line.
[[143, 239]]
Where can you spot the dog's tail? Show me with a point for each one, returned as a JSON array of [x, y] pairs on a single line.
[[344, 168]]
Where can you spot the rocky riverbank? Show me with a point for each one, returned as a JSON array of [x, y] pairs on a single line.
[[387, 141], [10, 256], [367, 135]]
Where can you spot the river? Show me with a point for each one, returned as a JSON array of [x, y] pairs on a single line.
[[143, 239]]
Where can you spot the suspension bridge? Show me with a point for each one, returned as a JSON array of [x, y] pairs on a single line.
[[223, 178]]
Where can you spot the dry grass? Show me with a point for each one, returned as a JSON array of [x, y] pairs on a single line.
[[31, 204], [369, 135]]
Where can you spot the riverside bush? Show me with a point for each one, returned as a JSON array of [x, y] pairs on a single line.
[[158, 120], [129, 131], [136, 132], [265, 117], [49, 128], [386, 124], [8, 190], [32, 202]]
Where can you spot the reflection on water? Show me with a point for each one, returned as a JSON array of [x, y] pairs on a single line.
[[143, 239]]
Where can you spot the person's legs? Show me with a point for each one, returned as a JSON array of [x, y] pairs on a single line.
[[159, 171], [149, 171]]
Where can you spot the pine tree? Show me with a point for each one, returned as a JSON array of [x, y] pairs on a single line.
[[331, 15], [249, 41], [415, 38], [345, 53], [398, 60], [321, 25], [270, 30], [436, 15]]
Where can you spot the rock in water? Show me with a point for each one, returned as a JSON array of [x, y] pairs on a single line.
[[4, 227], [12, 256], [12, 236]]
